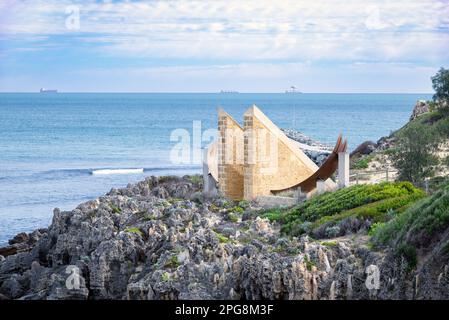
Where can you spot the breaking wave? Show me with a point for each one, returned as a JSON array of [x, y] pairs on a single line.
[[117, 171]]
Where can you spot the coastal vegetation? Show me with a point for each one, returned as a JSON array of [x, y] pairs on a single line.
[[417, 152], [346, 210], [362, 163], [414, 153], [440, 83], [417, 226]]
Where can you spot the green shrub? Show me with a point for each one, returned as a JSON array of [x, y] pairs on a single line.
[[173, 262], [237, 209], [196, 179], [222, 238], [445, 247], [115, 209], [244, 204], [302, 227], [273, 214], [374, 227], [409, 254], [415, 152], [232, 217], [389, 152], [417, 224], [148, 217], [309, 263], [362, 163], [335, 206], [378, 211], [391, 213], [214, 208], [440, 83], [329, 243], [332, 232], [166, 277]]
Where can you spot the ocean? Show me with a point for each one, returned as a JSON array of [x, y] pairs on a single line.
[[57, 150]]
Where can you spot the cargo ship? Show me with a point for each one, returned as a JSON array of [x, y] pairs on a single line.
[[292, 89], [43, 90], [228, 91]]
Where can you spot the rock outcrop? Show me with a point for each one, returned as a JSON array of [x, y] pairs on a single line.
[[161, 239], [421, 107], [315, 150], [364, 149]]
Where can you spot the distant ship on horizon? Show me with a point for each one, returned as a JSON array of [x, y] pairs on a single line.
[[228, 91], [43, 90], [293, 89]]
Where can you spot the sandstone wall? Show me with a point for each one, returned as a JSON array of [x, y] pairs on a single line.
[[272, 161], [230, 156]]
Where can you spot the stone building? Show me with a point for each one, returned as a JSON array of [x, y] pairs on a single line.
[[257, 159]]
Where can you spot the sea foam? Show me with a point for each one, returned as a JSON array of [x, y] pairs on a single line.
[[116, 171]]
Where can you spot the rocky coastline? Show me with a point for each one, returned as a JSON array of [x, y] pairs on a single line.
[[161, 239]]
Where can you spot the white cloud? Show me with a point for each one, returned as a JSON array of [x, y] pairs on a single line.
[[252, 45], [402, 30]]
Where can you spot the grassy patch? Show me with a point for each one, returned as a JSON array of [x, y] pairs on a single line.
[[166, 277], [115, 209], [309, 263], [274, 214], [363, 163], [365, 201], [148, 217], [173, 262], [237, 209], [134, 230], [196, 179], [376, 211], [329, 243], [419, 224], [222, 238]]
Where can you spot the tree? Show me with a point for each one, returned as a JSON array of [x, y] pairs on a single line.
[[414, 155], [440, 83]]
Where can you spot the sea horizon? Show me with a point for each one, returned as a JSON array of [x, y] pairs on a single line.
[[213, 92]]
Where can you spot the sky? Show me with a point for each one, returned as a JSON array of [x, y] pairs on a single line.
[[212, 45]]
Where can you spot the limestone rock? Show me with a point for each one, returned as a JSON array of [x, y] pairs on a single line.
[[420, 108], [150, 240]]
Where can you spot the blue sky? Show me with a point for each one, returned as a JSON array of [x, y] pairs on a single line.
[[206, 46]]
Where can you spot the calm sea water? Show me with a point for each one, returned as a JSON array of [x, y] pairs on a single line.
[[51, 143]]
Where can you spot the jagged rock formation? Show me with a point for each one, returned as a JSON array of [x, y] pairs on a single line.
[[160, 239], [420, 108], [315, 150]]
